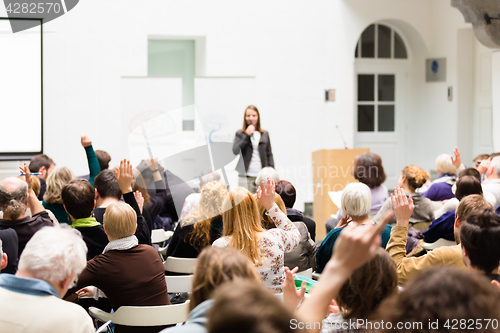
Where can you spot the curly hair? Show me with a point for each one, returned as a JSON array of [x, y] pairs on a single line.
[[415, 175], [209, 207]]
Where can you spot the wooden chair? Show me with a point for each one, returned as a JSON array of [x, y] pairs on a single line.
[[144, 315]]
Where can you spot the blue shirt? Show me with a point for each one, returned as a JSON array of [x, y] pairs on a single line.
[[27, 286], [441, 227]]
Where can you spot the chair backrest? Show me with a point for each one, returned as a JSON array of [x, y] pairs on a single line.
[[179, 283], [179, 265], [159, 236], [144, 315], [308, 273], [440, 242]]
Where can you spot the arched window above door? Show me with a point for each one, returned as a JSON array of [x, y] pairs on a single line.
[[378, 41]]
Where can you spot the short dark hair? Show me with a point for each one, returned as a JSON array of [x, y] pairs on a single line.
[[368, 170], [438, 295], [480, 236], [471, 205], [78, 198], [106, 184], [470, 172], [104, 158], [468, 185], [287, 192], [40, 160]]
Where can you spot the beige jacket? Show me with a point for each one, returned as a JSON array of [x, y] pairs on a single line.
[[409, 266]]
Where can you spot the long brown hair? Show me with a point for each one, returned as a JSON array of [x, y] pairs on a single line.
[[245, 125], [267, 222], [215, 266], [212, 196], [241, 221]]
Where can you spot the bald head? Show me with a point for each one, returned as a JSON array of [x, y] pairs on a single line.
[[13, 198]]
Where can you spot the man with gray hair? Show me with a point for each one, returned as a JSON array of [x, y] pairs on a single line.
[[492, 182], [31, 299], [15, 195]]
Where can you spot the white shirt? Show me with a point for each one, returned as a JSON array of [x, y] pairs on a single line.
[[255, 163]]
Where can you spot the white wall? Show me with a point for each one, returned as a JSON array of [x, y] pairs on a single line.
[[294, 49]]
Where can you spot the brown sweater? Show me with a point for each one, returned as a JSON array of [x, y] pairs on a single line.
[[133, 277]]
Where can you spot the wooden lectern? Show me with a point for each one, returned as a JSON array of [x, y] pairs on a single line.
[[332, 171]]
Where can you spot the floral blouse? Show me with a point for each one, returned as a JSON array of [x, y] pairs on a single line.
[[273, 244]]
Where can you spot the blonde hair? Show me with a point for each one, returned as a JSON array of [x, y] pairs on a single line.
[[209, 207], [216, 266], [415, 175], [35, 183], [444, 164], [120, 220], [241, 221], [356, 200], [56, 180], [267, 222]]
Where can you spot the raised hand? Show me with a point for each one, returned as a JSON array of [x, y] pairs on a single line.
[[153, 164], [402, 206], [291, 295], [86, 141], [265, 194], [140, 200], [484, 166], [125, 176], [457, 161], [27, 176]]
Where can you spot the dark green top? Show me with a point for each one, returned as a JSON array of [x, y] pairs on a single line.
[[94, 167], [59, 212]]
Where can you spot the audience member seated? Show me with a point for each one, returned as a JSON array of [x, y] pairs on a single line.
[[492, 179], [368, 169], [203, 226], [156, 202], [445, 255], [266, 173], [52, 198], [443, 226], [243, 231], [356, 205], [412, 177], [79, 200], [442, 298], [31, 300], [356, 245], [127, 273], [447, 168], [303, 256], [480, 241], [8, 238], [192, 200], [214, 267], [287, 192], [15, 196], [106, 192], [245, 306], [43, 165]]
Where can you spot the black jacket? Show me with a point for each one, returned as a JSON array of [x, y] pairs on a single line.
[[242, 143]]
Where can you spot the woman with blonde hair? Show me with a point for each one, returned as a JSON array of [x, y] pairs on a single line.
[[303, 256], [412, 177], [214, 267], [201, 227], [52, 199], [243, 231]]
